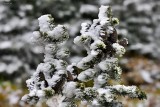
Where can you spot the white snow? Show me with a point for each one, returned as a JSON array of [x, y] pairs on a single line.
[[102, 79], [50, 48], [146, 76], [86, 75], [84, 27], [44, 67], [88, 8], [98, 43], [40, 93], [44, 23], [103, 12], [6, 44], [69, 89], [120, 50]]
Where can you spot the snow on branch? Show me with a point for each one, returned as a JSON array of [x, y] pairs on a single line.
[[63, 84]]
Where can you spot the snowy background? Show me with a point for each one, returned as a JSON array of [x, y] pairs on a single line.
[[139, 22]]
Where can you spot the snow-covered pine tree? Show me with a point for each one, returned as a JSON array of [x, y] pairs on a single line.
[[63, 84]]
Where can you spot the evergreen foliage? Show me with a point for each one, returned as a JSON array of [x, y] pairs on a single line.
[[63, 84]]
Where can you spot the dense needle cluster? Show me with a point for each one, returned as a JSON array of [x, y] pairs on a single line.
[[63, 84]]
